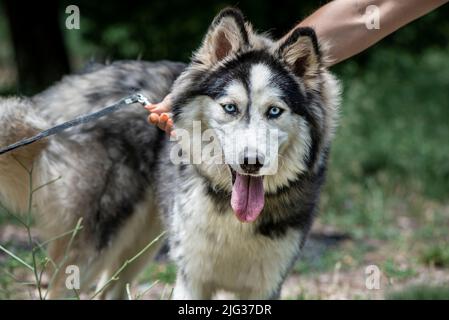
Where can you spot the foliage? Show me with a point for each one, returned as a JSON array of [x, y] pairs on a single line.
[[421, 293], [389, 162]]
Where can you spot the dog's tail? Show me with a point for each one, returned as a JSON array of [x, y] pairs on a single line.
[[18, 121]]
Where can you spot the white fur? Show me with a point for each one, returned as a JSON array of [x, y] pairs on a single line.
[[225, 253]]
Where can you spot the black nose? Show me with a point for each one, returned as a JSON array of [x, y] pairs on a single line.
[[252, 164]]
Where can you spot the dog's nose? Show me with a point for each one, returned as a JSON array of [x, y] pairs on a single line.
[[252, 163]]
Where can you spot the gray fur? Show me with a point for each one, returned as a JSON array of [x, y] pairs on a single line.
[[117, 174], [106, 167]]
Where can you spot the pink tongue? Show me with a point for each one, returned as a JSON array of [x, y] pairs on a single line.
[[247, 199]]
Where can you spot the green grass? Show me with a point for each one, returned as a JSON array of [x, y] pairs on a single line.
[[392, 270], [325, 262], [164, 273], [421, 293], [391, 143], [437, 256], [326, 259], [389, 162], [13, 284]]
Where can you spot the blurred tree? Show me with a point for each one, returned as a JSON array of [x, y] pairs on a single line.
[[172, 29], [40, 53], [163, 29]]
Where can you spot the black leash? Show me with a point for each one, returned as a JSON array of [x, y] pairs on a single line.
[[135, 98]]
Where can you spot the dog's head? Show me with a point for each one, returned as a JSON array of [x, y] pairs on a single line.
[[265, 110]]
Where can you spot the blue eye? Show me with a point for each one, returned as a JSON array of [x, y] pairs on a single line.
[[230, 108], [274, 112]]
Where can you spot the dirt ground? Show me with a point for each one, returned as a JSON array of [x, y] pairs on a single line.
[[344, 279]]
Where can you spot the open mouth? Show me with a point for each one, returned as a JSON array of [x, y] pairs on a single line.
[[248, 196]]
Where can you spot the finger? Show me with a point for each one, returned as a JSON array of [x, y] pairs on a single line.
[[163, 121], [161, 107], [169, 127], [164, 117], [153, 118], [154, 108], [162, 125], [150, 106]]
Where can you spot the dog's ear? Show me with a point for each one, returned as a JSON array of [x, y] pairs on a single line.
[[301, 52], [226, 35]]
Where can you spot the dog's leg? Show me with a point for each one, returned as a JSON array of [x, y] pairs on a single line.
[[141, 230], [61, 258], [259, 294], [117, 289], [63, 254], [104, 278], [191, 290], [262, 290]]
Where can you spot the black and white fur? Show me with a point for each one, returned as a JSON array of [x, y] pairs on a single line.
[[117, 174]]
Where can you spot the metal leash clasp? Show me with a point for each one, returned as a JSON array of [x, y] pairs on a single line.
[[140, 98]]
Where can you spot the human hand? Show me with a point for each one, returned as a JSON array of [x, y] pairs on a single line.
[[159, 115]]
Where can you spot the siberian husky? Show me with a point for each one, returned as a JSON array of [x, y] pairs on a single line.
[[236, 216]]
